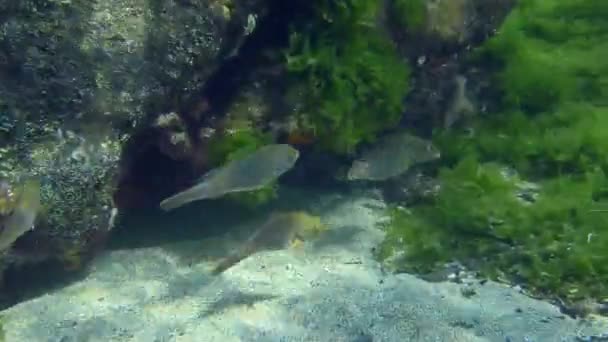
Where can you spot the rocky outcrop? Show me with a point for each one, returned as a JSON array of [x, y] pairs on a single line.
[[436, 36], [79, 80]]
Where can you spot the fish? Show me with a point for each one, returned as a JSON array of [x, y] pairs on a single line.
[[22, 216], [300, 138], [252, 172], [461, 106], [391, 156], [280, 231]]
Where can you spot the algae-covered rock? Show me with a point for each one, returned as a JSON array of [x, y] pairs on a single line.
[[186, 41], [540, 224], [60, 62], [352, 78], [187, 47], [436, 36], [444, 23], [79, 78], [76, 174]]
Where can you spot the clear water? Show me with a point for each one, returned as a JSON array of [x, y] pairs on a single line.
[[115, 105]]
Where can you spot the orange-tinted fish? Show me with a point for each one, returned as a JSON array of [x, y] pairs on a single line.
[[22, 217], [300, 138], [280, 231]]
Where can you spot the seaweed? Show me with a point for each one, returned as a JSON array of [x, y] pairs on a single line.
[[408, 13], [553, 244], [522, 189], [551, 52], [354, 79]]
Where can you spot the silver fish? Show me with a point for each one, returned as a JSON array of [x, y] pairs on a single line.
[[22, 216], [252, 172], [391, 156]]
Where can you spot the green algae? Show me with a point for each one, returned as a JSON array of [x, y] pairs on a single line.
[[521, 188], [354, 79], [409, 13], [553, 244]]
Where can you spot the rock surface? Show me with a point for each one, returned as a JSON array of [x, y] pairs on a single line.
[[329, 290], [438, 48], [78, 79]]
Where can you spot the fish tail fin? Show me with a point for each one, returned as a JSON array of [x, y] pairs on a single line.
[[232, 260], [197, 192], [175, 201]]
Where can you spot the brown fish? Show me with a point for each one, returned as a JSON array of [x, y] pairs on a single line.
[[22, 216], [279, 232]]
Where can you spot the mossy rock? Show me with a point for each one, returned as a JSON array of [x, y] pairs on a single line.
[[77, 184], [409, 14], [549, 52], [444, 19], [552, 245], [354, 82], [549, 131]]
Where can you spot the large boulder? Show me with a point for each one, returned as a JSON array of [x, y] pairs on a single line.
[[79, 79]]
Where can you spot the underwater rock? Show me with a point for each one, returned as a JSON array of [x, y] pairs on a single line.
[[411, 188], [434, 36], [78, 82], [72, 88], [76, 185], [188, 41], [174, 141], [186, 45], [443, 26]]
